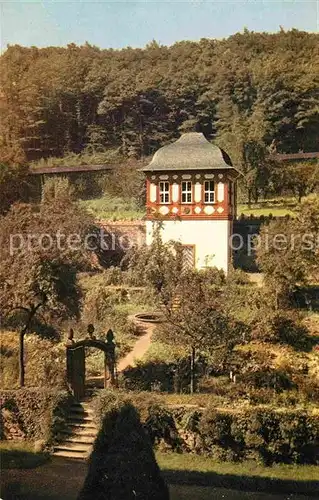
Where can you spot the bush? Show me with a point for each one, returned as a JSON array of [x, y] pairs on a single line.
[[262, 433], [266, 435], [162, 376], [122, 464], [276, 327], [45, 362], [39, 413], [99, 303]]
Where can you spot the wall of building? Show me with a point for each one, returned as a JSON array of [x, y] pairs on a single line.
[[223, 207], [210, 237]]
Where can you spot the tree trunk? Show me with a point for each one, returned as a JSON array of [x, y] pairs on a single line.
[[21, 358], [192, 386], [249, 198]]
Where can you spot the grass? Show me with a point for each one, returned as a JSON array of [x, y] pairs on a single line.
[[160, 352], [198, 463], [20, 455], [278, 207], [116, 208], [84, 158], [113, 208], [193, 476]]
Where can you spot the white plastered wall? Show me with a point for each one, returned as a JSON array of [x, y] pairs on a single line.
[[210, 237]]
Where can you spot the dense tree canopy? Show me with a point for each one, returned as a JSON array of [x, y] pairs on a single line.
[[253, 93], [250, 86]]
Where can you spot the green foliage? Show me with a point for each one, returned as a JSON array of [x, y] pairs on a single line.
[[45, 360], [157, 266], [126, 181], [288, 253], [39, 271], [263, 434], [100, 302], [40, 413], [254, 92], [13, 185], [57, 189], [122, 464], [112, 208], [279, 327], [87, 157]]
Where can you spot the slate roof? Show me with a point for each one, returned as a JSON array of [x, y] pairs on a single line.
[[191, 151]]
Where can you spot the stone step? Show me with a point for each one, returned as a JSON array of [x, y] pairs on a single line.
[[77, 438], [76, 417], [81, 425], [78, 431], [81, 409], [80, 415], [71, 454], [79, 447]]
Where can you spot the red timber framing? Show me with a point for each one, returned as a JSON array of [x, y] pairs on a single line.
[[200, 210]]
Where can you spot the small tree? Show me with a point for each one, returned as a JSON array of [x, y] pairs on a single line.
[[287, 251], [301, 179], [13, 184], [194, 318], [158, 266], [38, 267], [190, 300]]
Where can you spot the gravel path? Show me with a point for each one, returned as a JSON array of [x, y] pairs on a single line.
[[140, 348]]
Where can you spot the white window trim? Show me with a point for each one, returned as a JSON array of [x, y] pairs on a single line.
[[209, 191], [187, 191], [164, 192]]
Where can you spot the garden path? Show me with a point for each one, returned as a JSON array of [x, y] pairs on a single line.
[[140, 348]]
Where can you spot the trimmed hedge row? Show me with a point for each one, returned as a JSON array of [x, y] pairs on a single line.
[[39, 413], [264, 434]]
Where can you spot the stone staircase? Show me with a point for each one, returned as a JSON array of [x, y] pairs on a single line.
[[77, 438]]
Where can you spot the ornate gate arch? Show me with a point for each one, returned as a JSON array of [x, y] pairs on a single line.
[[75, 362]]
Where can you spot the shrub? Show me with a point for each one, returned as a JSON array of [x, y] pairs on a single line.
[[261, 433], [161, 426], [39, 413], [113, 276], [273, 326], [122, 464], [100, 301], [156, 374], [45, 362]]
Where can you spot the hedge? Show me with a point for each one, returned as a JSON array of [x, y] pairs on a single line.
[[39, 413], [268, 435]]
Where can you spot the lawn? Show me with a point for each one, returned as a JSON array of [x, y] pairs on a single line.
[[278, 207], [249, 469], [113, 208], [193, 476], [190, 477]]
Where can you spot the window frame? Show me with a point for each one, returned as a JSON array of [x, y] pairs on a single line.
[[186, 192], [164, 192], [209, 192]]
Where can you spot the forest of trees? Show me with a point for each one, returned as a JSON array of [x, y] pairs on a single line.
[[250, 87], [255, 94]]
